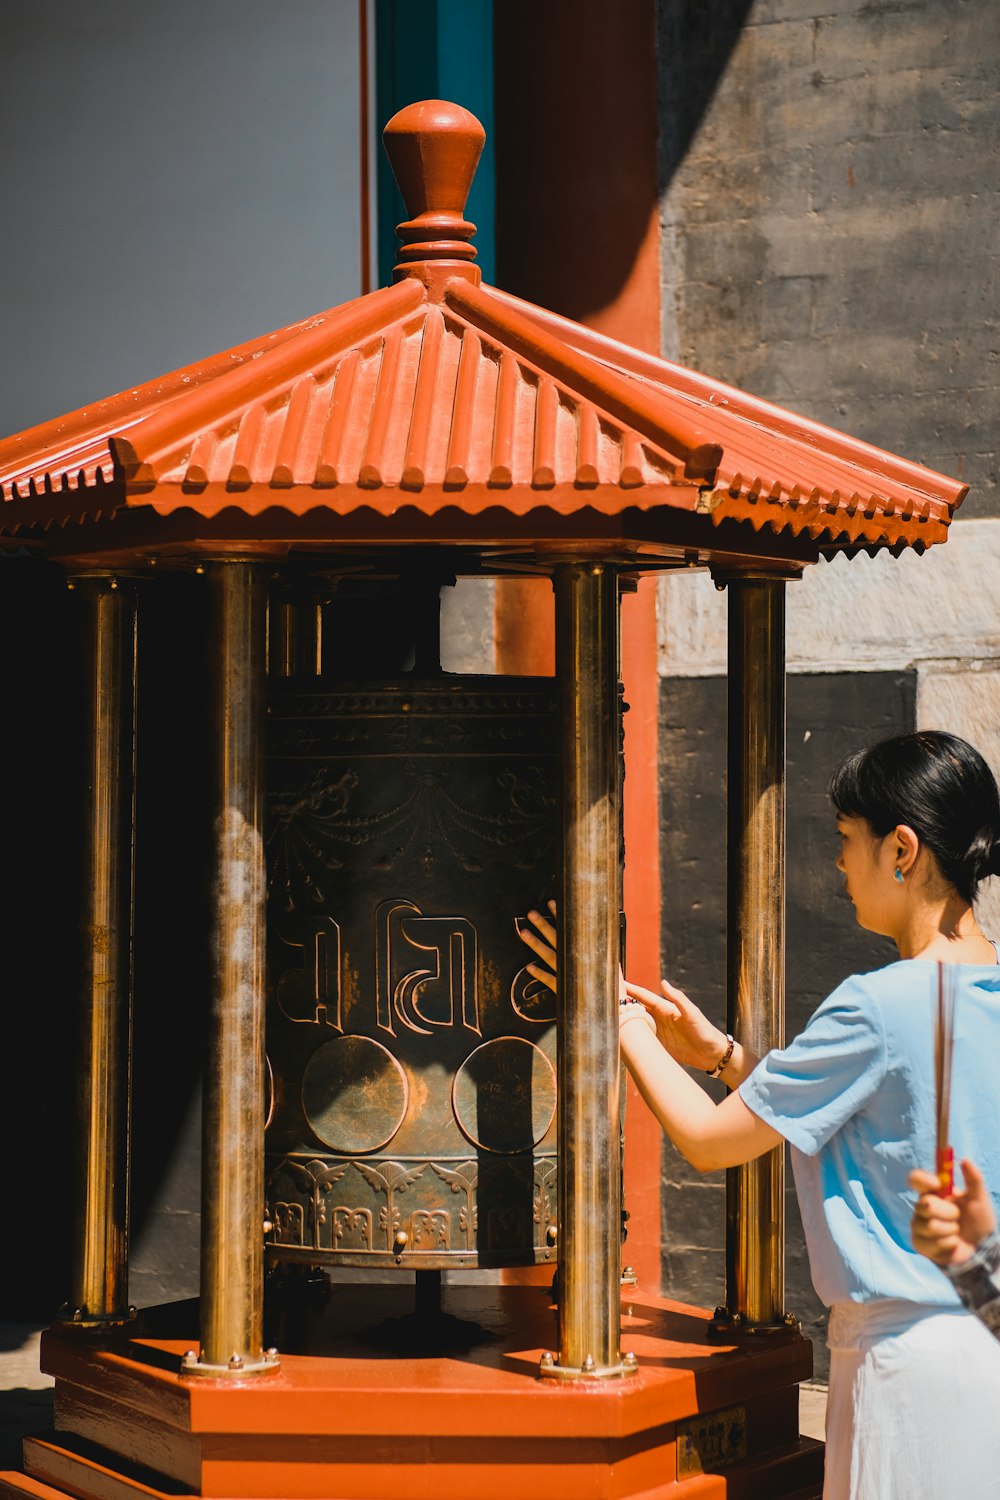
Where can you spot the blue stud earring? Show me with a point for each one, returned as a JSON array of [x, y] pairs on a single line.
[[899, 875]]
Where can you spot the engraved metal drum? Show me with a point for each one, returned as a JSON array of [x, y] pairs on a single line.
[[411, 826]]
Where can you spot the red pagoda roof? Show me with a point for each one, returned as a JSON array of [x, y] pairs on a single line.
[[439, 392]]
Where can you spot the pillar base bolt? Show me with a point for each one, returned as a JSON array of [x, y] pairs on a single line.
[[236, 1368], [549, 1365], [87, 1322], [726, 1326]]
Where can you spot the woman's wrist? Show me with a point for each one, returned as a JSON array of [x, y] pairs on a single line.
[[741, 1065], [633, 1010], [639, 1041], [724, 1059]]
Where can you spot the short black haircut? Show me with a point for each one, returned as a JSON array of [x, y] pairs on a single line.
[[936, 784]]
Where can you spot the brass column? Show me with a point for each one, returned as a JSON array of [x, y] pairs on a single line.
[[99, 1277], [232, 1203], [755, 1234], [589, 904], [295, 631]]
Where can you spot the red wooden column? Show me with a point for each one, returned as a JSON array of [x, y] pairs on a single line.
[[579, 164], [643, 1136]]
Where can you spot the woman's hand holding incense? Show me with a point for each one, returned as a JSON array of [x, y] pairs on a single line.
[[947, 1230]]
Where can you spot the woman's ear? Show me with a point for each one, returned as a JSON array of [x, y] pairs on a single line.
[[906, 847]]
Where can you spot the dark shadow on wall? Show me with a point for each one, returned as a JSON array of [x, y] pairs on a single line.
[[695, 39], [583, 90], [829, 715], [576, 148]]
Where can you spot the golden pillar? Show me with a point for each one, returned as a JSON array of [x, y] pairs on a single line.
[[589, 906], [232, 1211], [755, 1237], [295, 629], [99, 1276]]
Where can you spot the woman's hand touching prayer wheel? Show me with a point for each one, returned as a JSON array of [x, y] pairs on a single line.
[[540, 937], [684, 1030], [681, 1028]]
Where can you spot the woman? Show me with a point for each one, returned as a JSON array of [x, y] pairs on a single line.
[[914, 1379]]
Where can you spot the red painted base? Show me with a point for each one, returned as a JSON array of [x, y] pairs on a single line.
[[357, 1413]]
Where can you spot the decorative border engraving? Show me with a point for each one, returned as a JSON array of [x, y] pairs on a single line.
[[325, 1211]]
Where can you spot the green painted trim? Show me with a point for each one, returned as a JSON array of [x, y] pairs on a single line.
[[436, 49], [465, 74]]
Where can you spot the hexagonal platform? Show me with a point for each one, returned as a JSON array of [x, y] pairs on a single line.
[[358, 1413]]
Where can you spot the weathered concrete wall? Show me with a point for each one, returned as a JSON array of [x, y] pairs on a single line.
[[467, 626], [937, 615], [829, 714], [177, 178], [829, 191], [830, 233], [870, 613]]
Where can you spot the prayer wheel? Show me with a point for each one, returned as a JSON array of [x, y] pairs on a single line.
[[411, 825]]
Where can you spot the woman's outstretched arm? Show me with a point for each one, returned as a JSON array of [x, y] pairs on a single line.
[[709, 1135], [690, 1037], [683, 1029]]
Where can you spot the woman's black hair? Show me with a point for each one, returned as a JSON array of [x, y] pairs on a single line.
[[939, 786]]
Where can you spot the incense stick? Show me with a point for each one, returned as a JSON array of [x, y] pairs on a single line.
[[944, 1036]]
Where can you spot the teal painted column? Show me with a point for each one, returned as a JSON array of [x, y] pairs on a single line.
[[436, 49]]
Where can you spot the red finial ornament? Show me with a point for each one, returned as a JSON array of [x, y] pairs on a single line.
[[434, 149]]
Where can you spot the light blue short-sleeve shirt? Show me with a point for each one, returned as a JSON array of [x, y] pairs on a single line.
[[854, 1096]]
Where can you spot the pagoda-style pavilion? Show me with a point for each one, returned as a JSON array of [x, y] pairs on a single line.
[[433, 427]]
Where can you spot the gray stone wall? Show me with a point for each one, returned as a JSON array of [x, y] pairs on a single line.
[[828, 208], [829, 215], [829, 714]]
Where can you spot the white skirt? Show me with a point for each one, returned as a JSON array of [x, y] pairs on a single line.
[[914, 1404]]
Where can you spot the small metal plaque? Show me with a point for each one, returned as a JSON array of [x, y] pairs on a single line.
[[708, 1444]]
